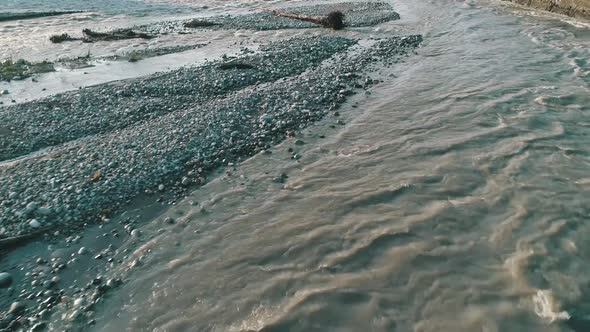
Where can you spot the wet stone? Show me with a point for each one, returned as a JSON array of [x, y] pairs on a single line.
[[34, 223], [5, 280], [16, 308]]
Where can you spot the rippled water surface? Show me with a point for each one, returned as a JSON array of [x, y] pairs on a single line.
[[455, 199]]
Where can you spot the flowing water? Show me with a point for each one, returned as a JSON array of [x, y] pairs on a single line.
[[455, 199]]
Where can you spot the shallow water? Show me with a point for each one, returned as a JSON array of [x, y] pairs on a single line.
[[455, 199]]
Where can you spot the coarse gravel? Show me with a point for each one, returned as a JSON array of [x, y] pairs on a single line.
[[78, 181]]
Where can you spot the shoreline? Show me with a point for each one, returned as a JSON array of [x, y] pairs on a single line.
[[572, 8]]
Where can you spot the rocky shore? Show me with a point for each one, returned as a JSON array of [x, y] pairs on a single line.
[[573, 8]]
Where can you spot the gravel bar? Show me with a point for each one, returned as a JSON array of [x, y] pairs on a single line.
[[77, 182], [32, 126], [357, 14]]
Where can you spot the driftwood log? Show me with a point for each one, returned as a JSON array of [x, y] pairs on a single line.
[[334, 20], [91, 36]]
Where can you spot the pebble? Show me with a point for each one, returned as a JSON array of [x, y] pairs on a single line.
[[161, 187], [113, 282], [34, 223], [80, 302], [4, 92], [16, 308], [185, 181], [5, 280], [136, 233], [82, 251]]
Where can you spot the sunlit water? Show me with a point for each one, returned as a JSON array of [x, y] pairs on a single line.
[[455, 199]]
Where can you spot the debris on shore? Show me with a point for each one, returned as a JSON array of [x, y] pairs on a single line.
[[56, 39], [198, 23], [93, 36], [90, 36], [334, 20]]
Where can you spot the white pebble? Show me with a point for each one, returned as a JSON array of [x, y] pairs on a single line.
[[34, 223], [79, 302], [185, 181]]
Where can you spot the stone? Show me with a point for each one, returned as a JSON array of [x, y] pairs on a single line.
[[34, 223], [4, 92], [80, 302], [5, 280], [16, 308], [185, 181], [45, 211], [82, 251]]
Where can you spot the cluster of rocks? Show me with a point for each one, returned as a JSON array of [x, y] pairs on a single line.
[[68, 276], [36, 301]]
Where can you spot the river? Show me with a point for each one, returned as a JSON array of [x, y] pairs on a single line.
[[454, 199]]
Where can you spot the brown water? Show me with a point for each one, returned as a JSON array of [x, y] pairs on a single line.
[[455, 199]]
